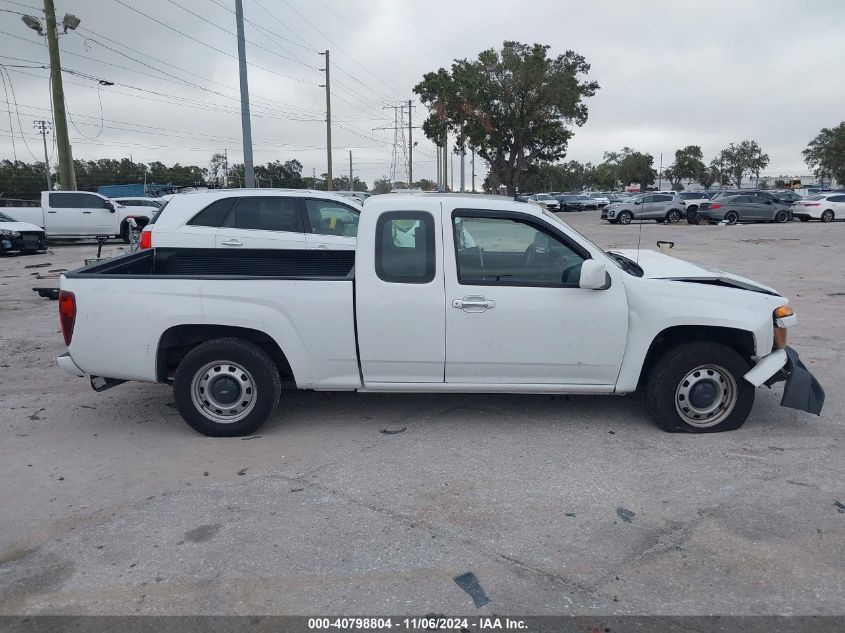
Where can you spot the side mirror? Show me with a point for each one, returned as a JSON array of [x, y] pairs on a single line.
[[637, 201], [594, 275], [109, 205]]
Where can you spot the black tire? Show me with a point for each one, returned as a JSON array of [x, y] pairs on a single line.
[[732, 217], [781, 217], [259, 387], [715, 367], [673, 217], [692, 216], [625, 217], [827, 215]]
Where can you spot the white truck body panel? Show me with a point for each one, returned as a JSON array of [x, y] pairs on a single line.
[[411, 336]]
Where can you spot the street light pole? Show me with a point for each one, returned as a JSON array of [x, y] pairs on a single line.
[[67, 176]]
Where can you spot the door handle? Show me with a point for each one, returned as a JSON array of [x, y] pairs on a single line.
[[87, 212], [51, 212], [474, 304], [232, 242]]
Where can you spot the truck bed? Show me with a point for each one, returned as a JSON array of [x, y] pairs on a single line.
[[302, 299], [204, 263]]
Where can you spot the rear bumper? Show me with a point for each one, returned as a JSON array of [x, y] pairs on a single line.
[[67, 363], [802, 391]]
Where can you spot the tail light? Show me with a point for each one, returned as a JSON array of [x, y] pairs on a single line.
[[67, 314], [811, 204], [146, 239], [715, 206]]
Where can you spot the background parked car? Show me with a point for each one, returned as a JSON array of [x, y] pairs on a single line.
[[545, 199], [661, 207], [570, 202], [589, 201], [20, 237], [255, 218], [601, 200], [822, 206], [742, 208]]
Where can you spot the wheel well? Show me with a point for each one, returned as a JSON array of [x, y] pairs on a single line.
[[739, 340], [176, 342]]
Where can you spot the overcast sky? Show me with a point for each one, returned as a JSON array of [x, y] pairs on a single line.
[[672, 73]]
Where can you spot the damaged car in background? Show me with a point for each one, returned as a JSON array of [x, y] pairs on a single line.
[[443, 294], [20, 237]]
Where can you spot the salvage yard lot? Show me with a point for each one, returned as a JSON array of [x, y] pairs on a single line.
[[362, 504]]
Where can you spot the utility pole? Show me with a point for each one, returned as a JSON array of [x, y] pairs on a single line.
[[351, 188], [410, 150], [473, 170], [67, 176], [43, 127], [660, 174], [246, 126], [439, 171], [445, 160], [329, 182], [226, 168], [452, 168]]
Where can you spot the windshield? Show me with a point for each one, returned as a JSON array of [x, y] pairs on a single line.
[[6, 218]]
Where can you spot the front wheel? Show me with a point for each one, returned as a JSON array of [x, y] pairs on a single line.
[[226, 387], [781, 217], [699, 388], [625, 217]]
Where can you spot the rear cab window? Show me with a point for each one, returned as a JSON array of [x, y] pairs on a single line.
[[405, 249]]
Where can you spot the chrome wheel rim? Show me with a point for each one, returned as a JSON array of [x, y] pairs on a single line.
[[731, 218], [224, 392], [625, 218], [706, 396], [827, 216]]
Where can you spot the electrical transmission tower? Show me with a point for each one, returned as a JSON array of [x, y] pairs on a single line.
[[400, 163]]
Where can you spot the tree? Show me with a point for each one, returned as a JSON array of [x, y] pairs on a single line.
[[746, 158], [632, 167], [513, 107], [217, 167], [780, 183], [688, 165], [825, 154], [382, 185]]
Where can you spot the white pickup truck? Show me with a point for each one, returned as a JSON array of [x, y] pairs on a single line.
[[83, 214], [443, 294]]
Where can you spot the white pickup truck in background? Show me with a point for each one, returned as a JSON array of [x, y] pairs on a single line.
[[444, 293], [83, 214]]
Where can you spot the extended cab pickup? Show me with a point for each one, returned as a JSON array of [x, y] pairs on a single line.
[[443, 294], [81, 214]]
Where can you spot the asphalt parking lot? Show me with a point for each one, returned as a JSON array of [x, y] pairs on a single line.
[[371, 504]]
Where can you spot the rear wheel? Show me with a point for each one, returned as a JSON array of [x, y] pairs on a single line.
[[732, 217], [625, 217], [827, 215], [782, 216], [226, 387], [673, 216], [699, 388]]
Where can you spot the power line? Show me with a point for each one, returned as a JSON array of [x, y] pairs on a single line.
[[214, 48]]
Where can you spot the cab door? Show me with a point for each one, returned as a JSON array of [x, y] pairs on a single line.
[[63, 215], [515, 313], [330, 225], [99, 216], [273, 222], [399, 298]]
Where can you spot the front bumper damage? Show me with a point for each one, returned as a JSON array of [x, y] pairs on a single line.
[[802, 391]]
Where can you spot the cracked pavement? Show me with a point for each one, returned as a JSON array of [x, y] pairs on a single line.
[[112, 505]]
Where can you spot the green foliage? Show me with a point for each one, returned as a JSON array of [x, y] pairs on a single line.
[[689, 165], [513, 106], [382, 185], [632, 167], [780, 184], [737, 161], [825, 154]]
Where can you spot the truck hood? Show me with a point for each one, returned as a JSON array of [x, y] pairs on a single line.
[[20, 227], [659, 266]]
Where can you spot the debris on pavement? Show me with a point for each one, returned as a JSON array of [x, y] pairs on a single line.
[[469, 583], [38, 265], [840, 507], [625, 514], [393, 431], [251, 437], [242, 472]]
